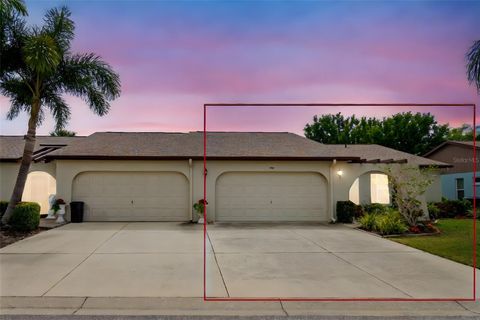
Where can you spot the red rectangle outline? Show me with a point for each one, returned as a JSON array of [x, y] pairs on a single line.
[[205, 106]]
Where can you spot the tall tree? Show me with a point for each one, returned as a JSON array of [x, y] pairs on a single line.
[[40, 71], [414, 133], [462, 133], [473, 64]]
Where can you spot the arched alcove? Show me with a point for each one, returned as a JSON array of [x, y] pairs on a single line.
[[39, 186], [370, 187]]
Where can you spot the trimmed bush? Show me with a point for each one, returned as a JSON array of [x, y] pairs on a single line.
[[433, 210], [390, 223], [26, 216], [3, 208], [346, 211], [453, 208], [376, 208], [368, 221]]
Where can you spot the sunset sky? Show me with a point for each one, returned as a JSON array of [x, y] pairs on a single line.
[[174, 56]]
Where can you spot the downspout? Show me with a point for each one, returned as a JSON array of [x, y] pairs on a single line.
[[332, 205], [190, 179]]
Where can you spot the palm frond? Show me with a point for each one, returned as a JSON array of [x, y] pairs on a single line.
[[18, 93], [92, 79], [473, 64], [13, 32], [15, 6], [15, 109], [60, 27], [58, 107], [41, 53]]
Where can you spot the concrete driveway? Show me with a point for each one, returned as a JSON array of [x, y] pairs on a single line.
[[166, 260]]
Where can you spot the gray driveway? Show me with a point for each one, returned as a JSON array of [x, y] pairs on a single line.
[[166, 260]]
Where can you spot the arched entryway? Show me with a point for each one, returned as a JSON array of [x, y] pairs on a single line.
[[39, 186], [370, 187]]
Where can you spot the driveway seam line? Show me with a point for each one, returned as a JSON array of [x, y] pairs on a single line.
[[357, 267], [218, 266], [283, 308], [81, 306], [81, 262], [465, 308]]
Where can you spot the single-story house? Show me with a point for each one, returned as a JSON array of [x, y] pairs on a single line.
[[250, 176], [458, 180]]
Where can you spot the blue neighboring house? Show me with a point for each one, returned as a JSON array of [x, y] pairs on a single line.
[[458, 181]]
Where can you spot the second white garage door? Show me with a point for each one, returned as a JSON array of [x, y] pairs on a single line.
[[132, 196], [258, 196]]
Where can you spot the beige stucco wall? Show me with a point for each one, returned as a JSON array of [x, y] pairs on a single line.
[[65, 172], [9, 172], [34, 191], [434, 192]]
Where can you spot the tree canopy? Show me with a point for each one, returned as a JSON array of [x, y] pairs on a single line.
[[415, 133]]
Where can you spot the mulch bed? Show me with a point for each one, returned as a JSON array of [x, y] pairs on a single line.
[[9, 236], [409, 234]]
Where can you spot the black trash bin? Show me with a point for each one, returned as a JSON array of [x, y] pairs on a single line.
[[76, 211]]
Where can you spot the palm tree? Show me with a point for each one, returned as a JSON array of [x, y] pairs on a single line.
[[9, 6], [473, 64], [41, 71]]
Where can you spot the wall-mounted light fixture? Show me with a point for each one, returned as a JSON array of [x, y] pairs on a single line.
[[340, 173]]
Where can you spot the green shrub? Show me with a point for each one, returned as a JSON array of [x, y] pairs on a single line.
[[433, 210], [390, 223], [3, 208], [453, 208], [347, 210], [368, 221], [375, 208], [26, 216]]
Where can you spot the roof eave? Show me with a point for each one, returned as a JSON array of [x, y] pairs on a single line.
[[256, 158], [477, 147]]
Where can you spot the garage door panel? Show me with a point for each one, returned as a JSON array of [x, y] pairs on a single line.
[[133, 196], [259, 196]]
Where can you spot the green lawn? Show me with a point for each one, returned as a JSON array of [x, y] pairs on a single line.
[[454, 243]]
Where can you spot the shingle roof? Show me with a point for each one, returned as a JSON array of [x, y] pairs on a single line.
[[223, 145], [11, 147], [468, 144]]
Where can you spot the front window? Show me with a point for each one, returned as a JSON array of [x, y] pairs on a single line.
[[460, 184]]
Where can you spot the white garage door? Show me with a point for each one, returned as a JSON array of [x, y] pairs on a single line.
[[132, 196], [256, 196]]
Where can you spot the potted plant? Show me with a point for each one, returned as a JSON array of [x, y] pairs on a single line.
[[199, 208], [59, 209]]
